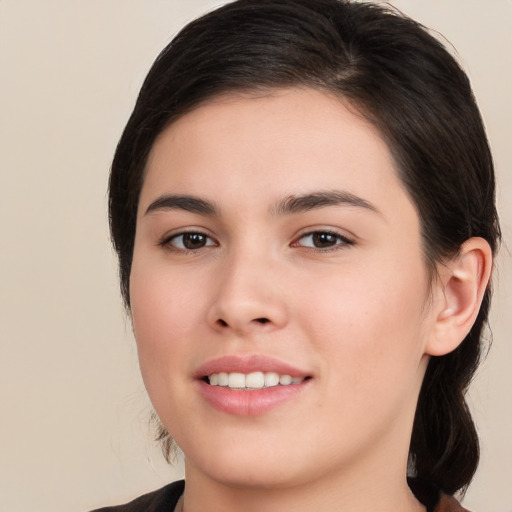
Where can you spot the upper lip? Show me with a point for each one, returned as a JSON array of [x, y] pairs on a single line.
[[248, 364]]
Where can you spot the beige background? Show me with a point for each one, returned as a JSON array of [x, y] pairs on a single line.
[[74, 413]]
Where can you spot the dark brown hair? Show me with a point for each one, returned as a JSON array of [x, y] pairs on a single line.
[[401, 79]]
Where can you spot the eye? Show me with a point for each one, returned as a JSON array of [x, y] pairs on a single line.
[[189, 241], [322, 240]]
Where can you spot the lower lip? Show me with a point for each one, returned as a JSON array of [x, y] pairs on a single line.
[[252, 402]]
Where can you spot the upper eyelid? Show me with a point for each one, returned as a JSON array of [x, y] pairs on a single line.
[[311, 230], [341, 238], [342, 233], [168, 237], [343, 242]]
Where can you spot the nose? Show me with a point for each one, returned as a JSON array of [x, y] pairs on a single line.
[[249, 297]]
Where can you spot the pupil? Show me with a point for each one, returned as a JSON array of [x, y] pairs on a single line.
[[194, 240], [324, 239]]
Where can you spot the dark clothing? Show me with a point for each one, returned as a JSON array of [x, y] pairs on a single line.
[[165, 499], [162, 500]]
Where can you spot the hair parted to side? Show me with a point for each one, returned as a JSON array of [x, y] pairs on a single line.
[[390, 69]]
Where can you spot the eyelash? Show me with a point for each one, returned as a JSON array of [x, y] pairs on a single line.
[[339, 241], [167, 241]]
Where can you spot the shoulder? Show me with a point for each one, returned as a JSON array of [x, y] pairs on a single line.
[[161, 500]]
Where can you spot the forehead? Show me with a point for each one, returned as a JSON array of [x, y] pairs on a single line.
[[286, 142]]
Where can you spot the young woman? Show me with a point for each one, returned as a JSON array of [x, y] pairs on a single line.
[[303, 207]]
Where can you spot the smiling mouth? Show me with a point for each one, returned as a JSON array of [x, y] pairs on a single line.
[[250, 385], [252, 381]]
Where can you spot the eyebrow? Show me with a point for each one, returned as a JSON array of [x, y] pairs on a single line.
[[289, 205], [321, 199], [183, 202]]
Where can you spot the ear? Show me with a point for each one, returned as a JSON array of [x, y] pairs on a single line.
[[457, 295]]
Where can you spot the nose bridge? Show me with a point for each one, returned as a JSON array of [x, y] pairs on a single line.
[[248, 293]]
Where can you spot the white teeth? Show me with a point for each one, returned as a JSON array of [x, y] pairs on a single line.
[[254, 380], [236, 380], [285, 380], [271, 379]]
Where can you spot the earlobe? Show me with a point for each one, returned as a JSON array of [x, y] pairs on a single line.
[[458, 294]]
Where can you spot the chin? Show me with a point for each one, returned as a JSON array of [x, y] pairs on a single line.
[[256, 475], [248, 465]]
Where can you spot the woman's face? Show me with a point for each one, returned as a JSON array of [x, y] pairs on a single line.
[[275, 240]]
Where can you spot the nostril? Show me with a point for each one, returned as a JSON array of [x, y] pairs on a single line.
[[222, 323]]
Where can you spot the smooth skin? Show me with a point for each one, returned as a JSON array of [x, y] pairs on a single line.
[[335, 285]]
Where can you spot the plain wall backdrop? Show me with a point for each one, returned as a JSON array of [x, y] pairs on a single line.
[[74, 413]]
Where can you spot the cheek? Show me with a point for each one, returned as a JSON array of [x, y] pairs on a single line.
[[164, 313], [371, 342], [371, 319], [164, 302]]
